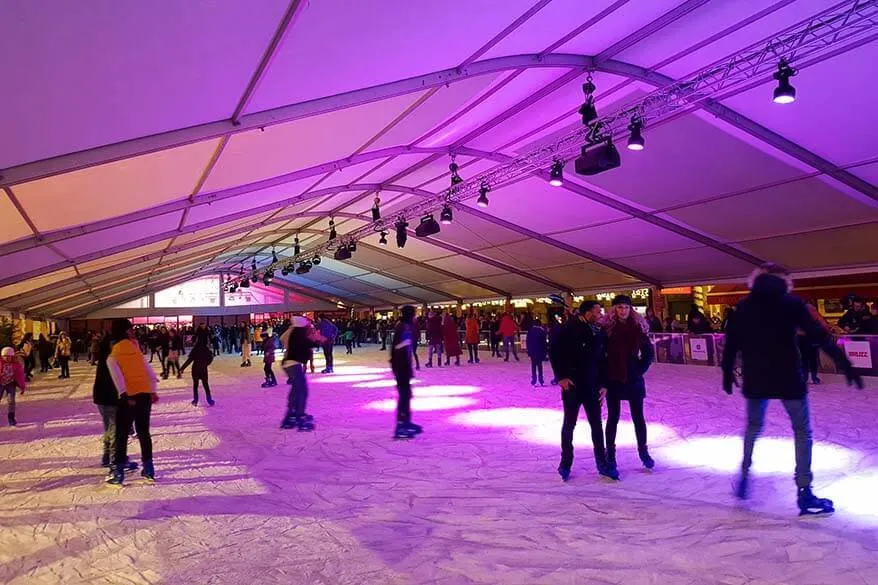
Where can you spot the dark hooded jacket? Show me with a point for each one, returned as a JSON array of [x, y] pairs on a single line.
[[764, 332], [104, 390], [578, 353]]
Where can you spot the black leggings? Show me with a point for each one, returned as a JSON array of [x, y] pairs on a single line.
[[140, 413], [403, 405], [473, 349], [614, 409], [204, 383]]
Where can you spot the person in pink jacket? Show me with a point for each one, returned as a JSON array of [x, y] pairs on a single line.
[[508, 329], [12, 376]]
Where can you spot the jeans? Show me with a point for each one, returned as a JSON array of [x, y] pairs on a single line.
[[573, 399], [800, 418], [64, 361], [614, 410], [507, 343], [404, 403], [297, 400], [10, 392], [437, 349], [108, 418], [203, 378], [140, 413], [536, 368], [473, 349]]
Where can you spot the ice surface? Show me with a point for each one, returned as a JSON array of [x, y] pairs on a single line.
[[476, 499]]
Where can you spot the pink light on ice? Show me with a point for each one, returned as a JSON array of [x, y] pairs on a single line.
[[344, 379], [855, 495], [423, 404], [442, 390], [388, 383], [772, 455]]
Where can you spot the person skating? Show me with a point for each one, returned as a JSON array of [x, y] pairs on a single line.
[[175, 346], [508, 328], [450, 340], [106, 398], [136, 383], [577, 358], [764, 333], [434, 338], [472, 337], [401, 356], [200, 357], [63, 350], [537, 348], [300, 339], [329, 332], [268, 360], [12, 378], [245, 350], [629, 355]]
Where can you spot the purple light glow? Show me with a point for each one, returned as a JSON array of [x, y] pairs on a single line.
[[441, 390], [773, 455], [423, 404], [345, 379], [387, 383], [856, 495]]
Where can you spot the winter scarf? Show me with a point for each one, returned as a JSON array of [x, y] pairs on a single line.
[[623, 344]]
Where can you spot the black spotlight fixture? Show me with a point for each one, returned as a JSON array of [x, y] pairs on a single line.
[[297, 249], [482, 201], [233, 288], [316, 261], [784, 93], [245, 282], [253, 264], [556, 173], [376, 210], [266, 279], [383, 241], [332, 233], [304, 268], [598, 159], [273, 256], [635, 139], [428, 226], [455, 178], [352, 246], [285, 270], [343, 253], [447, 215], [588, 111], [401, 233]]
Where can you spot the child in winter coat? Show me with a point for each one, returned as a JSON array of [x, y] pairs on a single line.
[[537, 348], [12, 376]]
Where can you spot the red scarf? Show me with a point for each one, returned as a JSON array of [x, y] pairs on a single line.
[[623, 344]]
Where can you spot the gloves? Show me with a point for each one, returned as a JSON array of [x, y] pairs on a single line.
[[729, 382], [853, 378]]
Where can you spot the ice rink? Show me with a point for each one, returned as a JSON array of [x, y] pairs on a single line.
[[476, 499]]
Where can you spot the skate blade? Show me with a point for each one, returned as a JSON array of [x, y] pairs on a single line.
[[809, 514]]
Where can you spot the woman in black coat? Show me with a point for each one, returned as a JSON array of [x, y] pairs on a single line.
[[200, 357], [629, 355]]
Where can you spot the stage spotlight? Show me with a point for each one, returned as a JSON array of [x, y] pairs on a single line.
[[455, 178], [316, 261], [304, 268], [383, 241], [343, 253], [598, 159], [447, 216], [273, 256], [635, 140], [482, 201], [245, 283], [376, 211], [297, 249], [428, 226], [332, 233], [784, 93], [401, 233], [285, 270], [556, 174], [588, 111]]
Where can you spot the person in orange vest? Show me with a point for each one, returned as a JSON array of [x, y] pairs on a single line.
[[136, 382]]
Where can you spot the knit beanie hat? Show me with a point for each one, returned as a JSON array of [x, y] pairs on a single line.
[[8, 352], [119, 328], [622, 300]]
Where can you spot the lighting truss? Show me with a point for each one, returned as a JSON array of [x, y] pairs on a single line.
[[810, 38]]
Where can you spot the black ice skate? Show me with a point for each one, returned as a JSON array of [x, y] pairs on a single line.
[[404, 431], [609, 469], [11, 419], [564, 472], [418, 429], [742, 488], [305, 424], [148, 472], [648, 462], [811, 505]]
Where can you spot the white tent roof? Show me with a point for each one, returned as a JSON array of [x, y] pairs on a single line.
[[144, 144]]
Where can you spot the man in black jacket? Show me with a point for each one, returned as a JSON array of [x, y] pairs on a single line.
[[577, 359], [764, 332]]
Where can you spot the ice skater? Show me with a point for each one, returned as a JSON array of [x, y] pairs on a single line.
[[537, 347], [268, 360], [434, 339], [245, 350], [200, 357], [106, 398], [300, 339], [12, 377], [764, 333], [577, 357], [401, 356]]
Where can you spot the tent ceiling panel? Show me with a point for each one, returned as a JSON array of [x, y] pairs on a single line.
[[466, 267], [283, 148], [867, 172], [211, 244], [12, 224], [251, 200], [429, 172], [339, 269], [531, 254], [221, 228], [115, 278], [677, 168], [512, 87], [388, 200], [336, 200], [358, 286], [84, 78], [724, 12], [120, 235], [558, 208], [417, 274], [406, 38], [31, 259], [567, 98], [422, 294], [47, 294], [463, 290], [792, 207], [817, 113], [38, 283], [586, 276], [377, 260], [625, 238], [392, 299], [114, 188], [617, 25], [382, 281], [516, 285], [419, 249], [446, 101], [86, 267], [473, 233], [821, 249], [396, 165], [692, 265], [349, 174], [395, 201]]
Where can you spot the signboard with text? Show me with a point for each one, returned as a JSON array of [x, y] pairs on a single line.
[[859, 353]]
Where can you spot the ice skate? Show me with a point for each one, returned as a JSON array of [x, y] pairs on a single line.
[[648, 462], [742, 487], [211, 401], [266, 384], [288, 423], [305, 425], [11, 419], [148, 472], [418, 429], [116, 476], [194, 403], [610, 470], [403, 431], [811, 505], [564, 472], [815, 380]]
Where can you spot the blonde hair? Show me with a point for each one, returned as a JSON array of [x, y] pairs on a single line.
[[610, 319]]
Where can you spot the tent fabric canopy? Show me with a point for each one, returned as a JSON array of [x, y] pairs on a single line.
[[147, 145]]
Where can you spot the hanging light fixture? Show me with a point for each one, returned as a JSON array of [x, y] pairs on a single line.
[[352, 246], [285, 270], [401, 233], [447, 215], [588, 111], [428, 226], [332, 233], [343, 253], [383, 241], [784, 93], [273, 256], [556, 173], [455, 178], [297, 249], [316, 261], [482, 201], [635, 140], [376, 210]]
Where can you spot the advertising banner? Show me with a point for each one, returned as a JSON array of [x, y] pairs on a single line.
[[859, 353], [698, 348]]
